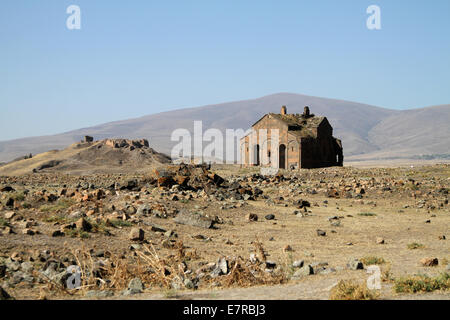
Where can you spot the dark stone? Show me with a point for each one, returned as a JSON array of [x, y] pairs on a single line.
[[5, 295], [7, 189]]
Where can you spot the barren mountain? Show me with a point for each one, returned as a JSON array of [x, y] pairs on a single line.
[[367, 132]]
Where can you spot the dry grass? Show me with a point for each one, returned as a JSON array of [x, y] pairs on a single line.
[[349, 290]]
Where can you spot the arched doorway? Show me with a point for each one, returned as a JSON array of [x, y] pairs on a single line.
[[282, 157], [256, 155]]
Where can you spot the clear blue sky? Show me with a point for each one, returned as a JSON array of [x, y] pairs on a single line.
[[133, 58]]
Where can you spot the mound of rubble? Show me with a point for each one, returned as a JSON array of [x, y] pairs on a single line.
[[199, 178]]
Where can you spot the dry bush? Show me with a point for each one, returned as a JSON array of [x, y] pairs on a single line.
[[116, 271], [349, 290], [245, 274], [161, 272], [386, 273]]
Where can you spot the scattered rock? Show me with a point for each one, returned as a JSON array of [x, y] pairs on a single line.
[[193, 219], [26, 267], [83, 225], [270, 217], [5, 295], [58, 233], [155, 228], [135, 286], [302, 272], [355, 264], [321, 233], [220, 268], [252, 217], [144, 210], [380, 240], [2, 270], [298, 264], [222, 264], [170, 234], [137, 234], [28, 231], [189, 284], [429, 262], [9, 214], [7, 189]]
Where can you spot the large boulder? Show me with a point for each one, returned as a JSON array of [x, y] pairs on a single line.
[[193, 219]]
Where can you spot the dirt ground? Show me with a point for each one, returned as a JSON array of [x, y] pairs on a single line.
[[398, 207]]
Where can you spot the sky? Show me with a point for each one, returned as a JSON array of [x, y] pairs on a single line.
[[134, 58]]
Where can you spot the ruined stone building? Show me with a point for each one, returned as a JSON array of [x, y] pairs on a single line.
[[304, 141]]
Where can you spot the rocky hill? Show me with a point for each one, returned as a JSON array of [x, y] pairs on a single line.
[[105, 156]]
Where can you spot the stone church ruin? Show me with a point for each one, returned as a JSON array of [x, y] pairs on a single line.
[[291, 141]]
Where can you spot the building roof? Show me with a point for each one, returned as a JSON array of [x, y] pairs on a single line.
[[299, 125]]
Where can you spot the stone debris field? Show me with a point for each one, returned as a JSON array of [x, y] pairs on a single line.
[[226, 232]]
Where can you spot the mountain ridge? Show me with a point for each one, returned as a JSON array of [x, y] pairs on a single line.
[[366, 131]]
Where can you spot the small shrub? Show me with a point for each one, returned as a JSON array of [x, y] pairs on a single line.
[[422, 283], [84, 235], [60, 205], [367, 214], [76, 233], [348, 290], [118, 223], [57, 218], [413, 187], [415, 245], [4, 222], [26, 205], [372, 260], [100, 227], [170, 294], [18, 196]]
